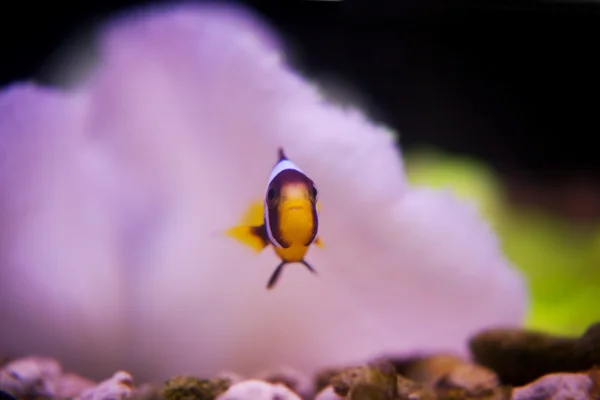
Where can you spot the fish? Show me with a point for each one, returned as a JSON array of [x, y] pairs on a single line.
[[287, 219]]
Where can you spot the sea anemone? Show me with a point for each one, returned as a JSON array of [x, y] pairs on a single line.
[[115, 195]]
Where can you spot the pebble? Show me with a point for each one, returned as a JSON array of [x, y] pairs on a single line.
[[323, 378], [411, 390], [562, 386], [448, 370], [377, 379], [520, 356], [473, 380], [193, 388], [30, 377], [118, 387], [328, 394], [538, 366], [254, 389], [293, 379]]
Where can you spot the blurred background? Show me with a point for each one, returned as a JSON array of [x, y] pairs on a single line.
[[496, 100]]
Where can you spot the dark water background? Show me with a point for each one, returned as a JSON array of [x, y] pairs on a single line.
[[514, 82]]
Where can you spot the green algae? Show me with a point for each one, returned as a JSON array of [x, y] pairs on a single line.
[[559, 259], [192, 388]]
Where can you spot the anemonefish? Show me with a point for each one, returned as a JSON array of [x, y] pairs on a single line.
[[287, 219]]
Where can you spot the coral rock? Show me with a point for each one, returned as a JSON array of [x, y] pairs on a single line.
[[192, 388], [118, 387], [520, 356], [563, 386], [113, 175], [254, 389]]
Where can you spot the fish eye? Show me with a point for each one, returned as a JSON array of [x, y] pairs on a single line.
[[314, 191], [271, 194]]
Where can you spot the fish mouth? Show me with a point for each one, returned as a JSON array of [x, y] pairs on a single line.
[[297, 205]]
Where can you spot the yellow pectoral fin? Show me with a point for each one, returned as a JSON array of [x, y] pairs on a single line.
[[319, 243], [254, 215], [251, 236], [251, 230], [318, 206]]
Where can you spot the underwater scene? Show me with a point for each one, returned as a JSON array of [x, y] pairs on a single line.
[[188, 214]]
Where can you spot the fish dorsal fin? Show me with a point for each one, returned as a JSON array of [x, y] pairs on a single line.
[[281, 154]]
